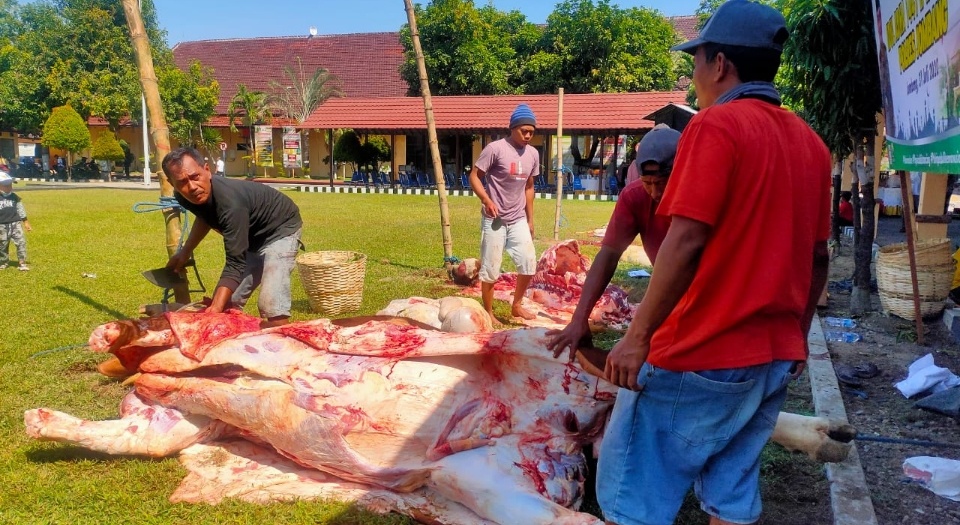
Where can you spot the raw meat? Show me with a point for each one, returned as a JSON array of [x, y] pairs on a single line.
[[555, 289], [446, 427]]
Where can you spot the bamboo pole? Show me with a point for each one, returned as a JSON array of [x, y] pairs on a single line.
[[158, 126], [907, 197], [556, 218], [432, 136]]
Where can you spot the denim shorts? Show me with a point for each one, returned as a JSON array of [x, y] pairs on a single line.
[[269, 268], [701, 428], [495, 237]]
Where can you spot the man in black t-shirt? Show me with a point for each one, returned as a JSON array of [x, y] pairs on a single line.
[[261, 230]]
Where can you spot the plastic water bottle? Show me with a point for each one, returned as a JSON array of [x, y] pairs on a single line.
[[840, 322], [841, 337]]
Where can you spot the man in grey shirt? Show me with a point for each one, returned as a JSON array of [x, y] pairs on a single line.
[[503, 178]]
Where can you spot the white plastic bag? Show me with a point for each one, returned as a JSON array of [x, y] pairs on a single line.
[[939, 475], [923, 375]]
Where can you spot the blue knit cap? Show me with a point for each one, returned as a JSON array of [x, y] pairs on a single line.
[[523, 116]]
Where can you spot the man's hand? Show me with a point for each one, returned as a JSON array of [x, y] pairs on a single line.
[[491, 209], [178, 260], [26, 225], [573, 336], [530, 224], [624, 362]]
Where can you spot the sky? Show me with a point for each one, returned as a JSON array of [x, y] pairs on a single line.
[[223, 19]]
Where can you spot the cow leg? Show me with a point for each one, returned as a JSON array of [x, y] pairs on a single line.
[[820, 438], [477, 480], [144, 430]]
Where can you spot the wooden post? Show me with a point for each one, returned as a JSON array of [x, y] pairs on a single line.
[[432, 135], [332, 163], [556, 219], [907, 195], [158, 126]]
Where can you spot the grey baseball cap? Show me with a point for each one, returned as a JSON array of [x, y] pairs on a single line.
[[658, 145], [741, 23]]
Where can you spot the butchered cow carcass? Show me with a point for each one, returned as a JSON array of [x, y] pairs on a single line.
[[456, 428]]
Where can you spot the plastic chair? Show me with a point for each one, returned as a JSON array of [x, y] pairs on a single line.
[[578, 184], [465, 181], [612, 187], [357, 179], [423, 180]]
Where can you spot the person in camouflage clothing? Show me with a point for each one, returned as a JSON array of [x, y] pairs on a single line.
[[13, 220]]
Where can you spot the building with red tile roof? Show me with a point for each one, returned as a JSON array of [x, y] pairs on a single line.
[[686, 26], [367, 64], [583, 114]]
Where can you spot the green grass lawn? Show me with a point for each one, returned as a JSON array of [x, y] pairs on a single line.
[[53, 306]]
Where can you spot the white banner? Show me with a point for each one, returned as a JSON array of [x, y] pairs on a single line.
[[917, 45]]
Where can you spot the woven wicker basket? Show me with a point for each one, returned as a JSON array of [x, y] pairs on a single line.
[[333, 280], [935, 268]]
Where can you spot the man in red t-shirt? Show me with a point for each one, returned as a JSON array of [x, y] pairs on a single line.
[[705, 363], [635, 214], [845, 212]]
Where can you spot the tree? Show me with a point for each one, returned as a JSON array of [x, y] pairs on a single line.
[[300, 95], [73, 52], [252, 108], [602, 48], [348, 148], [830, 75], [107, 148], [466, 51], [189, 99], [66, 130]]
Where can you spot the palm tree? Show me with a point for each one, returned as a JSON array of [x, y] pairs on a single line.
[[252, 107], [299, 95]]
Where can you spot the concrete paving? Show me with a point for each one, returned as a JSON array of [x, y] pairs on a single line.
[[849, 495]]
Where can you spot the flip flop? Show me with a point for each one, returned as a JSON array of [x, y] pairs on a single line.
[[847, 375], [866, 370]]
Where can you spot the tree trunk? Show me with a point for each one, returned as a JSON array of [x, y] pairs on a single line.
[[158, 126], [432, 134], [863, 257], [835, 204]]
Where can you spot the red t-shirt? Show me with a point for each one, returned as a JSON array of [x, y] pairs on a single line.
[[760, 177], [636, 214], [846, 210]]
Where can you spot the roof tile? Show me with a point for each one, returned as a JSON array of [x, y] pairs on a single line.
[[367, 64], [607, 112]]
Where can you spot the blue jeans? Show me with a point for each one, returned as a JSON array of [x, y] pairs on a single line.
[[702, 428], [269, 268]]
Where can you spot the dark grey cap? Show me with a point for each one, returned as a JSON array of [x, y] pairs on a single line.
[[741, 23], [658, 145]]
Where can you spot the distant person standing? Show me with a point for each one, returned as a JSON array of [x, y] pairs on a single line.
[[219, 171], [845, 213], [13, 220], [502, 177]]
